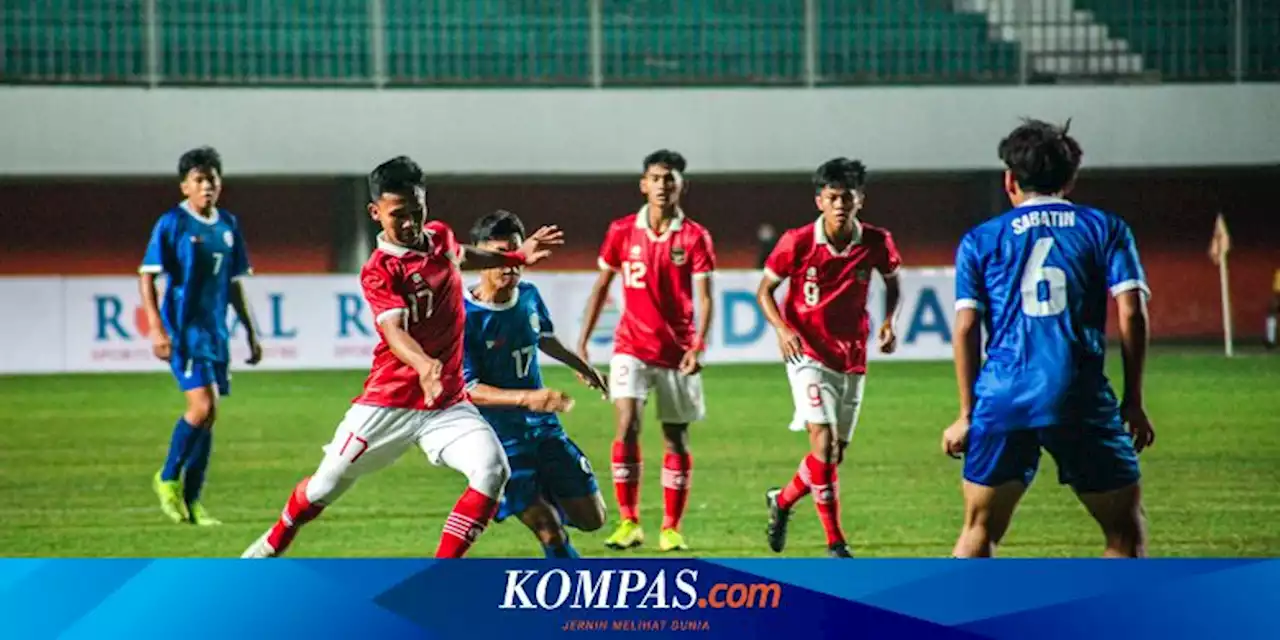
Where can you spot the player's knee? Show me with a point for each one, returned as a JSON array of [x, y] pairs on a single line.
[[676, 438], [324, 487], [628, 422], [201, 411], [490, 477], [592, 518]]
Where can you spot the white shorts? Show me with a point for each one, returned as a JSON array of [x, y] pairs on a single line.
[[370, 438], [680, 399], [824, 396]]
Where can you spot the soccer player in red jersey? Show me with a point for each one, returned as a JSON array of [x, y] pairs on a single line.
[[823, 330], [414, 394], [663, 257]]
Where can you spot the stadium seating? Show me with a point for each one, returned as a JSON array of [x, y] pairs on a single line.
[[1190, 42], [520, 42]]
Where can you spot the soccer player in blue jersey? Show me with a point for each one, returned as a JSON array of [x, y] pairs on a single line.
[[1037, 279], [200, 249], [507, 325]]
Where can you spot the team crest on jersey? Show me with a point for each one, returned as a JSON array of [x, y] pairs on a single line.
[[811, 273], [678, 255], [635, 251], [228, 238], [535, 323]]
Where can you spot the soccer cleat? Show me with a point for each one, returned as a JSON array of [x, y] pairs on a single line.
[[170, 494], [260, 548], [671, 540], [627, 535], [839, 550], [200, 517], [778, 519]]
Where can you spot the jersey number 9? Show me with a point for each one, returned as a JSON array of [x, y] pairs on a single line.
[[811, 293], [1035, 273]]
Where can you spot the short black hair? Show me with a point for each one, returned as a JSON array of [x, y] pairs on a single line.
[[499, 225], [397, 175], [199, 158], [671, 159], [840, 173], [1043, 157]]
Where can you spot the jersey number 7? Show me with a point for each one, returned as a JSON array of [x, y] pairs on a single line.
[[1036, 272]]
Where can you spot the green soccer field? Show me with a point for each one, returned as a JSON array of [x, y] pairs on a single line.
[[77, 454]]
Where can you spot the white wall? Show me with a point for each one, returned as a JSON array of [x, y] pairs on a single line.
[[321, 322], [127, 131]]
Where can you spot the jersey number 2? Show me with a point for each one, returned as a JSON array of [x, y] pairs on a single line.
[[1035, 273]]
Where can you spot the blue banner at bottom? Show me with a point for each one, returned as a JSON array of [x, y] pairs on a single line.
[[789, 599]]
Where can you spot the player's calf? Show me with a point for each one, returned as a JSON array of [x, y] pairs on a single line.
[[542, 520], [1122, 519], [626, 460], [987, 513], [479, 456], [677, 474], [305, 504]]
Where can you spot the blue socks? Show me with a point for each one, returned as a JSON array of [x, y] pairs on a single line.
[[180, 446], [565, 550], [189, 448], [197, 463]]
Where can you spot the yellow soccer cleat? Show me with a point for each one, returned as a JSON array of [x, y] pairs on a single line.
[[627, 535], [671, 540], [170, 494], [201, 518]]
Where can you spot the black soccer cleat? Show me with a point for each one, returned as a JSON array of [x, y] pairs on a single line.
[[839, 550], [778, 518]]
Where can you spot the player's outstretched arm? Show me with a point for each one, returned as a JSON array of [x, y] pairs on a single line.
[[535, 249], [595, 303], [1134, 338], [540, 400], [966, 346], [160, 343], [552, 346], [240, 302], [788, 342]]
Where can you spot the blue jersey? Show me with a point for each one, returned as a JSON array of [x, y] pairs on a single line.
[[500, 349], [1040, 275], [200, 257]]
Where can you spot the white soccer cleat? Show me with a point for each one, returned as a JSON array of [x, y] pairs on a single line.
[[260, 548]]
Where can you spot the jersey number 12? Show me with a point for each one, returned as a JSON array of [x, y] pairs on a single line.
[[1036, 272]]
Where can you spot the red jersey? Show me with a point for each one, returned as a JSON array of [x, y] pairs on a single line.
[[826, 303], [424, 287], [657, 284]]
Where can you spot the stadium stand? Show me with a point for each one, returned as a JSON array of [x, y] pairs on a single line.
[[641, 42]]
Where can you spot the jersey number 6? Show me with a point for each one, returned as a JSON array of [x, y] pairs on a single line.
[[1035, 273]]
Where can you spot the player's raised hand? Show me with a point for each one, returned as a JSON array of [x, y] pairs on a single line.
[[790, 346], [429, 380], [537, 247], [887, 338], [1140, 428], [956, 438], [255, 352], [161, 346]]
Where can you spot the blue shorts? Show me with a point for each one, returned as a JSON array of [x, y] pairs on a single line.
[[550, 466], [194, 374], [1090, 459]]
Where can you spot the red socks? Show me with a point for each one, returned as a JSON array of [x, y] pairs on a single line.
[[297, 512], [626, 479], [826, 497], [677, 470], [797, 488], [465, 523], [820, 478]]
